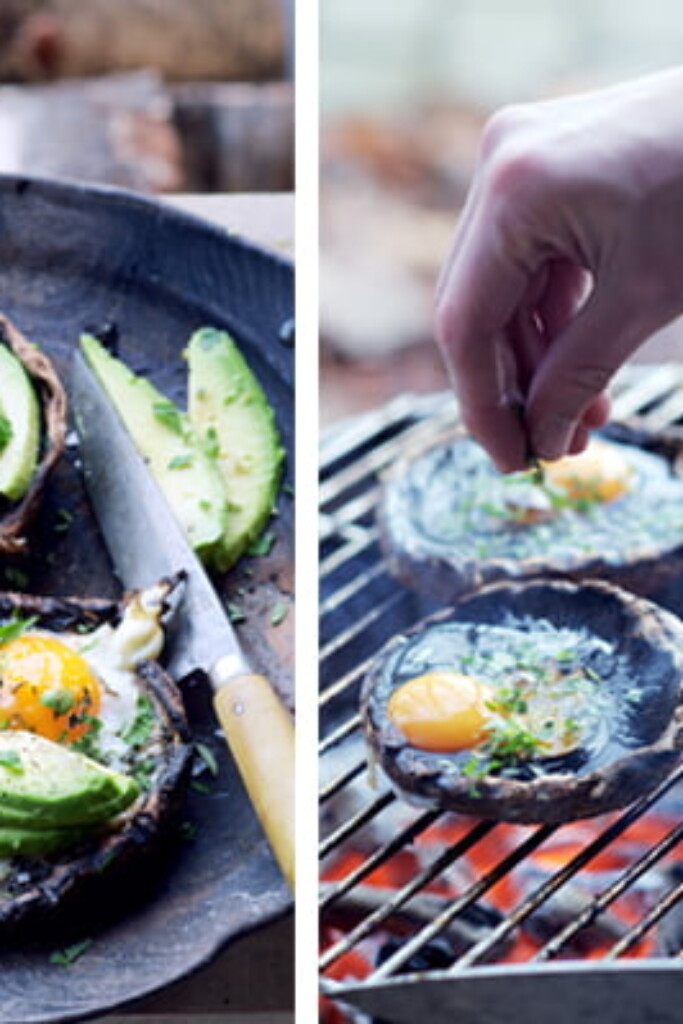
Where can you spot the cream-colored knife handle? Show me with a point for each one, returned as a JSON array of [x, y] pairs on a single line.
[[260, 734]]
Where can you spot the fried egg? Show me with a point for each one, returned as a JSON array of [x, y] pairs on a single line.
[[81, 689], [600, 473]]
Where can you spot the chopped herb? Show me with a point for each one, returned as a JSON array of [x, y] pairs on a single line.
[[140, 729], [200, 787], [180, 461], [205, 505], [59, 701], [70, 954], [16, 577], [235, 613], [143, 771], [209, 337], [187, 830], [64, 520], [279, 613], [288, 490], [6, 432], [11, 760], [11, 630], [212, 444], [88, 743], [263, 545], [168, 414], [208, 757]]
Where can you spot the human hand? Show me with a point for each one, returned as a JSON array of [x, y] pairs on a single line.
[[569, 253]]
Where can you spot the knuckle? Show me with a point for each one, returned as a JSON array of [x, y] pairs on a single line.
[[502, 125], [520, 170]]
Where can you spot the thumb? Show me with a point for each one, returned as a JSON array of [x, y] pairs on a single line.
[[575, 371]]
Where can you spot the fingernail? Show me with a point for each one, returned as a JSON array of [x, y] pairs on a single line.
[[551, 439]]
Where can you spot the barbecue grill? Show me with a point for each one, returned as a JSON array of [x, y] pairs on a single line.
[[424, 913]]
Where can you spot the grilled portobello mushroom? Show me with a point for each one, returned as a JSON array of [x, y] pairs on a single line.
[[543, 701], [45, 897], [450, 523], [16, 517]]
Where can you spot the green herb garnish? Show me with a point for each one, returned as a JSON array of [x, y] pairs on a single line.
[[15, 627], [235, 613], [208, 757], [180, 461], [139, 731], [168, 414], [263, 545], [59, 701], [279, 613], [70, 954], [11, 760]]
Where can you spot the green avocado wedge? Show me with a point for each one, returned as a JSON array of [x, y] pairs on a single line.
[[177, 459], [51, 796], [228, 408], [19, 427]]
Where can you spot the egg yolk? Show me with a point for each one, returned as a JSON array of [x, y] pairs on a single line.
[[46, 688], [441, 711], [600, 473]]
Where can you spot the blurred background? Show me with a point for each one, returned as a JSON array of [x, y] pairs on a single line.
[[405, 90], [160, 96]]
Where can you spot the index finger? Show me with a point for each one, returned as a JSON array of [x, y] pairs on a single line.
[[480, 290]]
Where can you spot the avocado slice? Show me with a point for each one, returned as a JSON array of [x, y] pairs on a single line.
[[228, 407], [19, 427], [38, 842], [45, 786], [177, 459]]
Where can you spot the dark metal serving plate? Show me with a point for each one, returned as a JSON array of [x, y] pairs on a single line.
[[144, 276]]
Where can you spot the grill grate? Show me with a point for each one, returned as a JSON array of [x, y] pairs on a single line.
[[365, 829]]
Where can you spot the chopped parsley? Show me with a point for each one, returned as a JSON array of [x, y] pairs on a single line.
[[208, 758], [70, 954], [139, 731], [15, 627], [60, 701], [212, 444], [183, 461], [168, 414], [263, 545], [236, 614], [11, 760], [279, 613]]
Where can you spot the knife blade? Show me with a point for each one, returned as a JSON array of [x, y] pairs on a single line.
[[146, 543]]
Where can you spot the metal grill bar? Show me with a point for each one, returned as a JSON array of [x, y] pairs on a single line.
[[340, 734], [354, 823], [350, 590]]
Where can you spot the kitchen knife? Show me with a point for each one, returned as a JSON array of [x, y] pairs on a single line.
[[146, 543]]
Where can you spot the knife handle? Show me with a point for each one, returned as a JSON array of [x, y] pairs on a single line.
[[260, 734]]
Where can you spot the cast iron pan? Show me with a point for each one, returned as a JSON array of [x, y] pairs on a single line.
[[143, 276]]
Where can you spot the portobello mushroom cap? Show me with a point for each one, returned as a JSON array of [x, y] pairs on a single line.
[[16, 517], [42, 898], [638, 669], [438, 538]]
